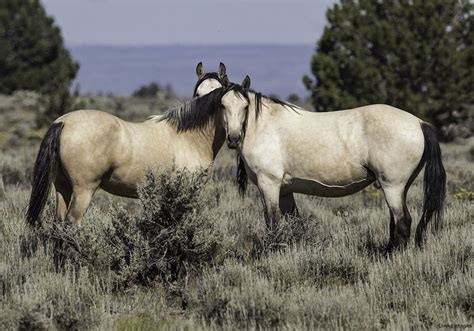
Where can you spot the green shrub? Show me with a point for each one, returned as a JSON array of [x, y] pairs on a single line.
[[172, 237]]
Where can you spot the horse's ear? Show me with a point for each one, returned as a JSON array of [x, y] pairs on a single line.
[[199, 70], [246, 83], [221, 71], [225, 81]]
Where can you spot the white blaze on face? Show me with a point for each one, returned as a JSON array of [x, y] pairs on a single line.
[[207, 86], [234, 111]]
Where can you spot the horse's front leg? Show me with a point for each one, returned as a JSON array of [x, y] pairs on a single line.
[[270, 192]]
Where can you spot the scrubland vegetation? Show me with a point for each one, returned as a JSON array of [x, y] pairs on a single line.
[[190, 253]]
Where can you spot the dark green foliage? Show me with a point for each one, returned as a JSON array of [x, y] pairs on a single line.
[[147, 91], [414, 55], [294, 98], [54, 105], [153, 90], [33, 57], [32, 53]]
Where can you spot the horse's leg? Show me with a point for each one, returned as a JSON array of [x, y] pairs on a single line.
[[392, 225], [270, 192], [63, 198], [400, 219], [288, 205], [81, 198], [63, 195]]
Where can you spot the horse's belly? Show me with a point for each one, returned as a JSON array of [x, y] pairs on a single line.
[[319, 188], [121, 182], [124, 180]]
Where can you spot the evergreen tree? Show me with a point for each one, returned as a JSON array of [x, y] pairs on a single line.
[[147, 91], [32, 53], [415, 55]]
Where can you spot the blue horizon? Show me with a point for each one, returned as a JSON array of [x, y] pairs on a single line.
[[121, 69]]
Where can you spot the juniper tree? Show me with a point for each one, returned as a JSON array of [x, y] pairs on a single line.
[[32, 54], [412, 54]]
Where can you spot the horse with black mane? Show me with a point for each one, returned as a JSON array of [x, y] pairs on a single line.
[[87, 149]]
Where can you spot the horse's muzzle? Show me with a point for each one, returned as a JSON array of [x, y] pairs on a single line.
[[233, 141]]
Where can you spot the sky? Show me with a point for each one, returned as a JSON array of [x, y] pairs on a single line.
[[199, 22]]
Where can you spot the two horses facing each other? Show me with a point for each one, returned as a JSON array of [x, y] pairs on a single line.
[[282, 148]]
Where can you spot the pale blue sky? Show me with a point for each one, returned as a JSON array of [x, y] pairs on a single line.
[[158, 22]]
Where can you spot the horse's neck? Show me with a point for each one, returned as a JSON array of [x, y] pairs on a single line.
[[208, 140], [270, 114], [255, 121]]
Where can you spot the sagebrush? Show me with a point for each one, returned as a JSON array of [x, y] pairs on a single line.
[[191, 253]]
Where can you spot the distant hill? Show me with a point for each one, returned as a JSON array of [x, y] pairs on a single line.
[[274, 69]]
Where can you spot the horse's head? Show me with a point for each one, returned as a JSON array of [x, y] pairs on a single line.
[[208, 82], [225, 106], [234, 104]]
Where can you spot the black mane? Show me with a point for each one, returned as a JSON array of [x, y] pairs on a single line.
[[196, 113], [258, 102]]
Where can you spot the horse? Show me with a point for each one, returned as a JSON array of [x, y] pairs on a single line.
[[285, 149], [87, 149]]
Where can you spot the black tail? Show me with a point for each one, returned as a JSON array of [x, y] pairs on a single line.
[[434, 184], [46, 165], [241, 175]]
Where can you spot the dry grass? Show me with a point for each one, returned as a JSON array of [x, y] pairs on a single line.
[[329, 274]]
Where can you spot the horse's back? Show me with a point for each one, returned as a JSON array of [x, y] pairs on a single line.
[[385, 117], [344, 144]]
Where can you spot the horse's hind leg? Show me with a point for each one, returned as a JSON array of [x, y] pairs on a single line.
[[81, 198], [63, 198], [288, 205], [63, 195], [400, 219]]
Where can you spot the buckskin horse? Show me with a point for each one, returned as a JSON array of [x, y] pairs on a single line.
[[87, 149]]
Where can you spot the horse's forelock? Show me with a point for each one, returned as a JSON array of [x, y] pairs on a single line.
[[238, 91]]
